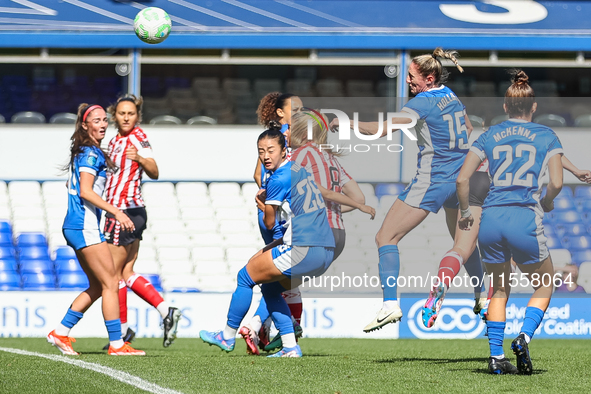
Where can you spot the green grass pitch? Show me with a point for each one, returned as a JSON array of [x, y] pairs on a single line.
[[328, 366]]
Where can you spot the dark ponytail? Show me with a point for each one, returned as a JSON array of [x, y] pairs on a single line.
[[267, 110], [274, 132]]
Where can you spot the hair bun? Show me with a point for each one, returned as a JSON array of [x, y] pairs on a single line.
[[519, 77], [275, 125]]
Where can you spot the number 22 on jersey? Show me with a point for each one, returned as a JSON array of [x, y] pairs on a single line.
[[311, 193], [511, 179]]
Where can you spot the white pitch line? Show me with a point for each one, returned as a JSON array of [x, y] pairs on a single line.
[[110, 372]]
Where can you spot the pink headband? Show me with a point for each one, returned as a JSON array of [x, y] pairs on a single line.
[[89, 110]]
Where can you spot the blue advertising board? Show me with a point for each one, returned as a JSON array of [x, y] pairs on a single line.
[[565, 318]]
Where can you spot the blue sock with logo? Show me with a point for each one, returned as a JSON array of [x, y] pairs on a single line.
[[241, 299], [389, 268], [475, 270], [277, 307], [531, 321], [71, 318], [114, 329], [496, 334]]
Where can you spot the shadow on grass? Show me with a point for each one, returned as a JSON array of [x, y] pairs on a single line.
[[484, 371], [432, 360]]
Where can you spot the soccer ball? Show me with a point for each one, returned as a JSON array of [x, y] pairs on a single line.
[[152, 25]]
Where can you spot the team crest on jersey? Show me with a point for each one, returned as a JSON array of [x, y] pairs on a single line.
[[118, 150], [145, 144], [91, 160]]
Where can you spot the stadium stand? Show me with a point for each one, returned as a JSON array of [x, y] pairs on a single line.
[[201, 234]]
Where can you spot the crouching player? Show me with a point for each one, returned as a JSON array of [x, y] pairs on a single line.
[[306, 249]]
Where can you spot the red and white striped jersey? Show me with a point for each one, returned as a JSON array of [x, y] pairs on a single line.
[[483, 167], [123, 186], [328, 172]]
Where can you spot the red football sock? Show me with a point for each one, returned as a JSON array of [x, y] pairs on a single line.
[[293, 298], [145, 290], [449, 267], [122, 301]]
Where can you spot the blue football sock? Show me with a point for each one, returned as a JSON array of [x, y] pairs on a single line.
[[114, 329], [531, 321], [389, 269], [496, 333], [277, 307], [475, 270], [71, 318], [262, 310], [241, 299]]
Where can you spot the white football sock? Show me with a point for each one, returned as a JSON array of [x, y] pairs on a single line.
[[390, 304], [256, 324], [163, 309], [289, 340], [62, 330], [118, 344], [229, 332]]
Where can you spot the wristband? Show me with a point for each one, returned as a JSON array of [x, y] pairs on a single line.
[[465, 213]]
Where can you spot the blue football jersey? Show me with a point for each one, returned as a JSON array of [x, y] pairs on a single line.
[[441, 131], [518, 152], [278, 189], [309, 224], [83, 215]]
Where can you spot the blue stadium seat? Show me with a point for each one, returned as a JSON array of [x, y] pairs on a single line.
[[33, 252], [37, 266], [67, 266], [580, 256], [583, 192], [7, 252], [566, 217], [8, 264], [73, 281], [553, 242], [9, 280], [583, 205], [65, 252], [392, 189], [571, 229], [31, 239], [577, 242], [564, 204], [549, 230], [154, 280], [6, 239], [38, 282], [5, 226]]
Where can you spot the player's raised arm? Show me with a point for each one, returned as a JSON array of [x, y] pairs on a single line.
[[582, 175]]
